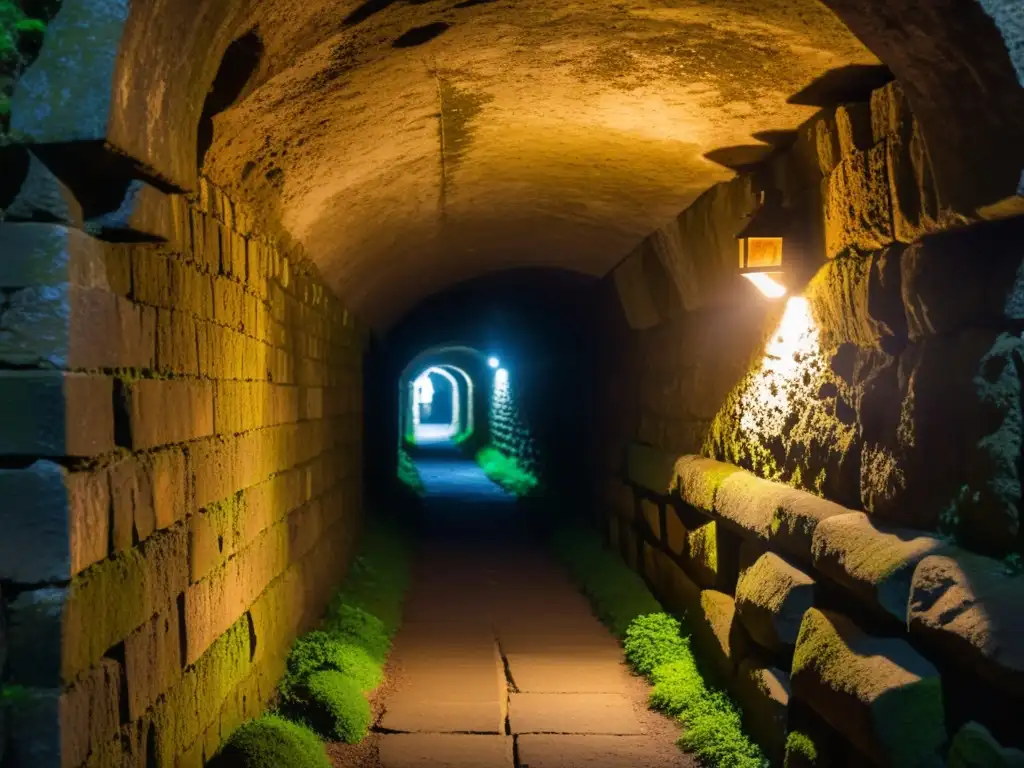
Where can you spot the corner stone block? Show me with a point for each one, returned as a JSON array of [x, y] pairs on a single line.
[[878, 692], [875, 563], [771, 598], [55, 414], [968, 606], [54, 524], [697, 480], [763, 694], [974, 747]]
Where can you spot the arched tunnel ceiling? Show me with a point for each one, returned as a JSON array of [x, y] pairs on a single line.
[[533, 133]]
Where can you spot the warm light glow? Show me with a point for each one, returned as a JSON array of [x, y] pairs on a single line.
[[789, 357], [758, 252], [493, 362], [767, 284]]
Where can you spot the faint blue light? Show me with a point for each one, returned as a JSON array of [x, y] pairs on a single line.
[[493, 362]]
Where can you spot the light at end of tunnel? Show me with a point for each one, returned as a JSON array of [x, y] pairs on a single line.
[[501, 378], [493, 362], [766, 284]]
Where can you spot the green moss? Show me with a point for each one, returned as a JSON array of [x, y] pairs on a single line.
[[704, 546], [655, 648], [506, 471], [318, 651], [272, 742], [801, 751], [337, 708], [654, 640]]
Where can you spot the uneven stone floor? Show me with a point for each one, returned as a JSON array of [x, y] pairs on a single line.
[[500, 662]]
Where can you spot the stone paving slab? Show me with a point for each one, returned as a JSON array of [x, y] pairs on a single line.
[[409, 715], [442, 750], [602, 713], [572, 751], [534, 673]]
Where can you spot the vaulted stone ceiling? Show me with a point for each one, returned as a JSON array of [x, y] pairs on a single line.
[[529, 133]]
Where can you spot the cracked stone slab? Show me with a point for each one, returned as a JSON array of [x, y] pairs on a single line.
[[582, 713], [444, 750]]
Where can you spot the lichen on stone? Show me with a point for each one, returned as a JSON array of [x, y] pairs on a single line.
[[22, 29]]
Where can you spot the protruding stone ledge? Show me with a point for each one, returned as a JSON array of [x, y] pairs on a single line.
[[972, 610], [873, 562], [878, 692], [771, 598]]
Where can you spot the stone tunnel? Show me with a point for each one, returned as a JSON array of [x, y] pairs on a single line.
[[731, 291]]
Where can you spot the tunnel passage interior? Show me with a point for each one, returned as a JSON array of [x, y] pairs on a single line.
[[232, 229]]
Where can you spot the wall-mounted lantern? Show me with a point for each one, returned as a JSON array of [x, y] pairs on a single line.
[[762, 246]]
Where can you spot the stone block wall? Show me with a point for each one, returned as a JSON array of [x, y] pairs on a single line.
[[844, 533], [180, 463], [509, 430], [886, 646]]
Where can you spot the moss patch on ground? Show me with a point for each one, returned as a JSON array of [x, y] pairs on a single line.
[[331, 669], [657, 646], [506, 471], [272, 741]]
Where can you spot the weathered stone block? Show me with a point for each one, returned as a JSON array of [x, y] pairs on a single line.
[[164, 411], [974, 747], [172, 487], [90, 712], [701, 559], [153, 661], [970, 607], [947, 288], [54, 523], [50, 413], [763, 694], [749, 503], [132, 501], [697, 480], [963, 465], [215, 603], [635, 292], [771, 598], [858, 214], [878, 692], [143, 582], [874, 562], [853, 128], [717, 631], [857, 300], [890, 112]]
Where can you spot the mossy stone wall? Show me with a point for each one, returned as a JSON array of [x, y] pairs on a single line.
[[183, 499]]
